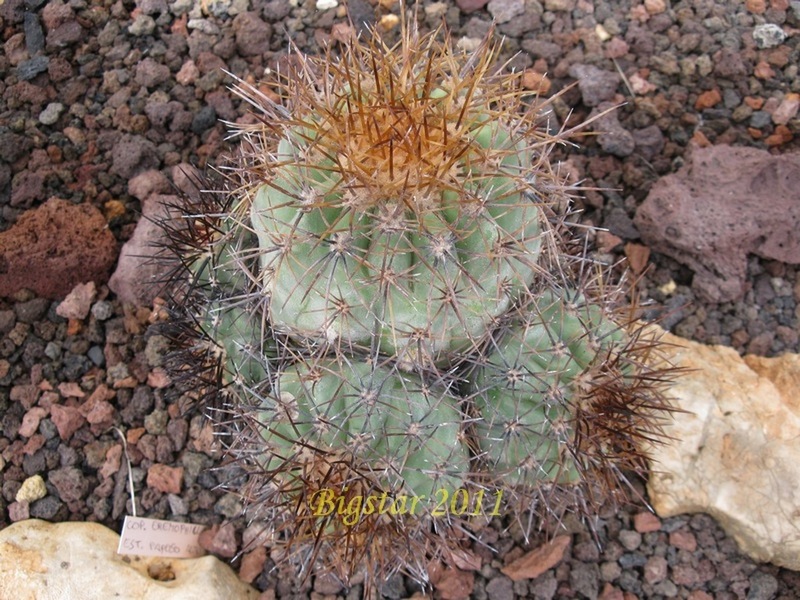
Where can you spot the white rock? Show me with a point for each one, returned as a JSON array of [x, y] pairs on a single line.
[[50, 561], [768, 35], [50, 115], [31, 490], [736, 454], [504, 10], [327, 4]]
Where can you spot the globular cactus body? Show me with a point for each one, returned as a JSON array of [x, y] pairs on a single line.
[[392, 309], [529, 387], [405, 435], [422, 270]]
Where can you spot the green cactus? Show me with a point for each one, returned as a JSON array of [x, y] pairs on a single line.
[[528, 387], [405, 435], [393, 311], [424, 281]]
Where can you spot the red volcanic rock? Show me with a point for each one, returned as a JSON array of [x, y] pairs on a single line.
[[54, 247], [725, 203]]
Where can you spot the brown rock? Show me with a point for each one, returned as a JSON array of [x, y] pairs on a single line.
[[787, 109], [78, 302], [782, 135], [607, 241], [685, 540], [451, 584], [31, 420], [147, 183], [764, 71], [754, 103], [611, 592], [725, 203], [67, 420], [708, 99], [70, 389], [165, 479], [27, 188], [219, 540], [637, 256], [252, 34], [139, 276], [645, 522], [252, 564], [536, 562], [55, 14], [538, 82], [53, 248], [19, 511], [655, 7], [112, 462], [100, 415]]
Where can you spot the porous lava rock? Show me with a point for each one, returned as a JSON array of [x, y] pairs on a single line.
[[725, 203], [54, 247]]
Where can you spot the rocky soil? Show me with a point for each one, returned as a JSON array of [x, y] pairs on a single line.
[[99, 101]]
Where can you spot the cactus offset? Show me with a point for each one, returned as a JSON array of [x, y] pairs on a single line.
[[392, 311], [563, 395], [406, 434]]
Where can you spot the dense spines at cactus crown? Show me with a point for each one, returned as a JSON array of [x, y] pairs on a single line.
[[396, 210], [390, 312]]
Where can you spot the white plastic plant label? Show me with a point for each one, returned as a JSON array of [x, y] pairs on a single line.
[[154, 537]]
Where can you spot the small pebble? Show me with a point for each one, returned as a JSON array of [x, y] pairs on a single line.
[[28, 69], [645, 522], [763, 586], [102, 310], [768, 35], [630, 539], [76, 108], [50, 115], [32, 489]]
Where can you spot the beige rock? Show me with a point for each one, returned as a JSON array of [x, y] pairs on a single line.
[[46, 561], [31, 490], [736, 454]]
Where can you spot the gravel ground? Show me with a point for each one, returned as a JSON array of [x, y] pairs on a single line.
[[93, 93]]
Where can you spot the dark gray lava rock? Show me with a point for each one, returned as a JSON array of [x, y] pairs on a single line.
[[596, 85]]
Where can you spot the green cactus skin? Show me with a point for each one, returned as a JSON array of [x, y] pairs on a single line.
[[390, 308], [421, 273], [247, 349], [222, 265], [233, 325], [405, 435], [532, 382]]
